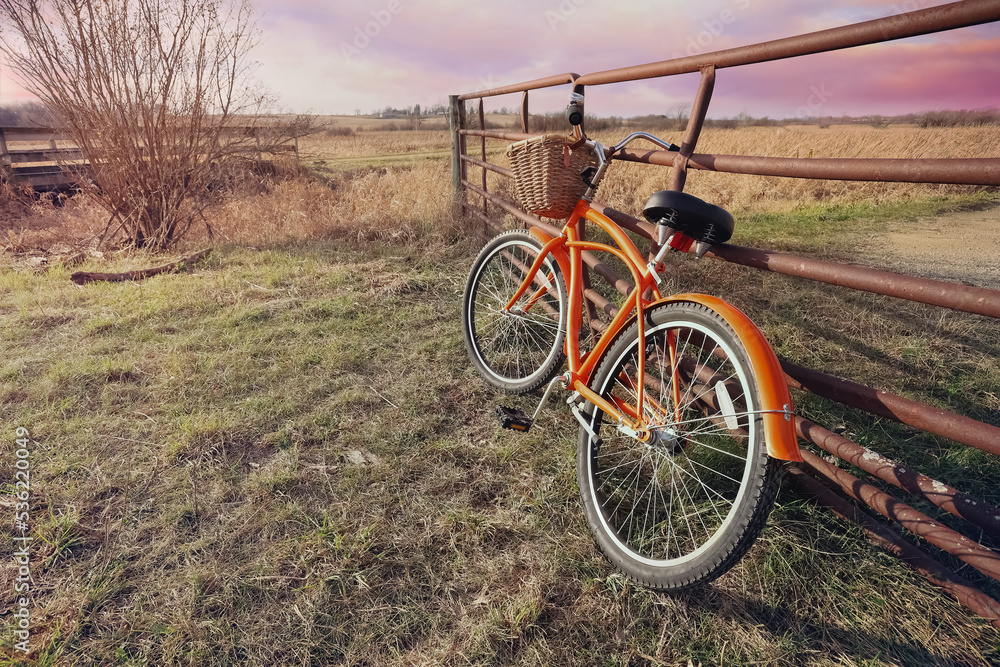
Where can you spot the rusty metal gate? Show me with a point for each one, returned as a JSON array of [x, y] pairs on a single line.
[[981, 521]]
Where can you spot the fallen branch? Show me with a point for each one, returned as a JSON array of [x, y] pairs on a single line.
[[83, 277]]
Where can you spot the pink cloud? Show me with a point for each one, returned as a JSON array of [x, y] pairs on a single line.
[[887, 79], [335, 57], [11, 91]]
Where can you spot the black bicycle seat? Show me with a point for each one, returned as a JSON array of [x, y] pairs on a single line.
[[690, 216]]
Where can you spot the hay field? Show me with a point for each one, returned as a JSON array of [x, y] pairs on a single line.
[[628, 185]]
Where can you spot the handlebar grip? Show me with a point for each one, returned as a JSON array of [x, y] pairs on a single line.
[[574, 112]]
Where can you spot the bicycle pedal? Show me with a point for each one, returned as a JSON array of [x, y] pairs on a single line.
[[513, 419]]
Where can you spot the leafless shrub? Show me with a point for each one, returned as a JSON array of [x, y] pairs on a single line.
[[156, 93], [956, 118], [878, 122]]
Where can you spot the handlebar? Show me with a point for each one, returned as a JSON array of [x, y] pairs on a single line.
[[574, 114], [604, 156], [665, 145], [592, 176]]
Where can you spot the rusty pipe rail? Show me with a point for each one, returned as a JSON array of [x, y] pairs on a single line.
[[503, 171], [968, 551], [951, 171], [955, 585], [546, 82], [956, 296], [904, 410], [946, 497], [901, 26]]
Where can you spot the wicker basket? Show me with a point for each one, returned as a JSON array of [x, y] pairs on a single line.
[[547, 174]]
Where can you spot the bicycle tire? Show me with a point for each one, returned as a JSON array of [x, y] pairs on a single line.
[[517, 350], [684, 509]]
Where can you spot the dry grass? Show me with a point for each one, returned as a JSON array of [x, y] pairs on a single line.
[[295, 464], [383, 183], [373, 144], [282, 455], [629, 184], [384, 204]]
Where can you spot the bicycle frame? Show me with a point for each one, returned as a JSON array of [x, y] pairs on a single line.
[[568, 248]]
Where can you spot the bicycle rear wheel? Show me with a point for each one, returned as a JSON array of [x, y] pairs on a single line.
[[684, 508], [520, 349]]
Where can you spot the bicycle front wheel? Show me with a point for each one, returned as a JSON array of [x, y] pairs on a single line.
[[517, 349], [683, 508]]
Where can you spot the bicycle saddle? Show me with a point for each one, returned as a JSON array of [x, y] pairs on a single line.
[[690, 216]]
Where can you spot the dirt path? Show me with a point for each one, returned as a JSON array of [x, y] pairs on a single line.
[[957, 246]]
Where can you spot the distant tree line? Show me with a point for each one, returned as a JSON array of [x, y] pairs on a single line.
[[556, 121], [414, 117], [27, 114]]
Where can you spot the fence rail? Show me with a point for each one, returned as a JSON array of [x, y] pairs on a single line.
[[817, 476], [43, 169], [54, 168]]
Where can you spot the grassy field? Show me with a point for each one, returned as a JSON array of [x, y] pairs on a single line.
[[282, 455]]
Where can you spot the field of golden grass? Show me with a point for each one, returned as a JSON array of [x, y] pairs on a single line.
[[628, 185], [379, 183]]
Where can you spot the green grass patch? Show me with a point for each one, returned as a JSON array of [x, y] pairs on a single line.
[[823, 229]]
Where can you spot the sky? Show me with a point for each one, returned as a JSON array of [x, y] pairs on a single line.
[[348, 56]]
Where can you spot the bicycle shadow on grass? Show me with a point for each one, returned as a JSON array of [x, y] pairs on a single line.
[[833, 642]]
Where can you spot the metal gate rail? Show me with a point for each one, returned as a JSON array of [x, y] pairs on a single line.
[[982, 520]]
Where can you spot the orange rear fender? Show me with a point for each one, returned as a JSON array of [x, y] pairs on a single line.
[[779, 426]]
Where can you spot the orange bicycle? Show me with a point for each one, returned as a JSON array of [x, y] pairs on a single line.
[[683, 410]]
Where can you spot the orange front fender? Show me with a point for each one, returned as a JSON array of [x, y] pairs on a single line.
[[779, 427]]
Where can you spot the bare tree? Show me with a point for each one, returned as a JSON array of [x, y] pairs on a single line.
[[414, 117], [679, 115], [157, 93]]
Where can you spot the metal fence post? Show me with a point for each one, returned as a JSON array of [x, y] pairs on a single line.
[[454, 126]]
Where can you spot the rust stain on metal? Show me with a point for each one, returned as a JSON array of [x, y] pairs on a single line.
[[696, 119], [951, 500], [923, 290], [957, 171], [910, 24], [907, 411], [974, 554]]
